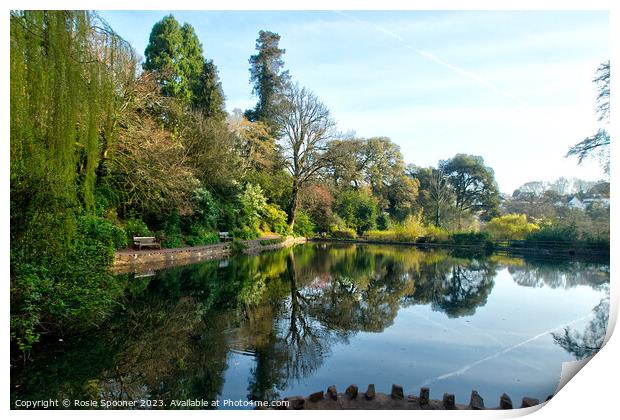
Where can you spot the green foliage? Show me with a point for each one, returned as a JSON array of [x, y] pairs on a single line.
[[208, 93], [358, 210], [76, 293], [201, 236], [206, 208], [252, 204], [375, 163], [411, 229], [555, 232], [343, 233], [471, 238], [175, 52], [98, 156], [172, 241], [136, 227], [103, 231], [268, 78], [245, 232], [63, 96], [68, 72], [229, 215], [510, 227], [274, 220], [277, 185], [381, 235], [171, 235], [256, 215], [237, 247], [437, 234], [407, 231], [436, 194], [573, 225], [383, 221], [303, 225], [474, 185]]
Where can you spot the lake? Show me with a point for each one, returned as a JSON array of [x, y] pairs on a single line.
[[294, 321]]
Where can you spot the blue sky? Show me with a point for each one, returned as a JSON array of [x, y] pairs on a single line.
[[513, 87]]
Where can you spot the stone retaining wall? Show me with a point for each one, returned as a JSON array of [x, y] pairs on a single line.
[[129, 261], [354, 399]]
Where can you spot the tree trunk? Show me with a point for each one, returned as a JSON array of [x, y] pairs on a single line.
[[293, 207]]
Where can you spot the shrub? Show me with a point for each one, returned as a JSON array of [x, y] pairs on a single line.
[[237, 247], [200, 235], [510, 227], [172, 241], [229, 217], [101, 230], [343, 233], [136, 227], [410, 229], [554, 233], [383, 221], [172, 237], [245, 232], [437, 234], [381, 235], [72, 292], [303, 225], [252, 205], [316, 200], [207, 208], [358, 210], [274, 219], [407, 231]]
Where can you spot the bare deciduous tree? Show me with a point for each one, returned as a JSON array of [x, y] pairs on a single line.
[[598, 144], [307, 127]]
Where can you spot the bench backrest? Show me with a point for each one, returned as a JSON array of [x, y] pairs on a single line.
[[144, 239]]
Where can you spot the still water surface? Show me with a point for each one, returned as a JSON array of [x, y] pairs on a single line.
[[295, 321]]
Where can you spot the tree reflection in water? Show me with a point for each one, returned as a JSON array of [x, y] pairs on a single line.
[[569, 274], [455, 286], [590, 341], [559, 273], [287, 309]]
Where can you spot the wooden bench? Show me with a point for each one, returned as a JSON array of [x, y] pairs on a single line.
[[145, 241], [225, 236]]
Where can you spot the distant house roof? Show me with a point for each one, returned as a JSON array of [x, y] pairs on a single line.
[[576, 203]]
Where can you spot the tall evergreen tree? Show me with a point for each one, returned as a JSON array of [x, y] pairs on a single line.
[[269, 79], [175, 52], [208, 93]]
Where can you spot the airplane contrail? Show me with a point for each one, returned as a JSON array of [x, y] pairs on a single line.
[[437, 60], [499, 353]]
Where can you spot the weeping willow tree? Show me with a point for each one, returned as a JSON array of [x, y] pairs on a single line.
[[68, 75], [68, 70]]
